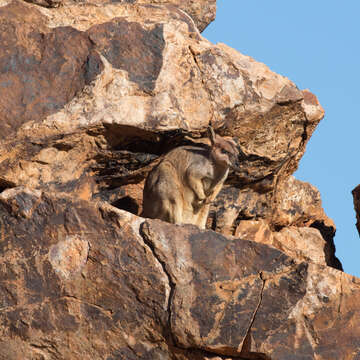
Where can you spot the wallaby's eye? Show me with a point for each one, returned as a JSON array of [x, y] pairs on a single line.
[[223, 151]]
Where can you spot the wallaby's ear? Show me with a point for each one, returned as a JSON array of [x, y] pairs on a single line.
[[211, 135]]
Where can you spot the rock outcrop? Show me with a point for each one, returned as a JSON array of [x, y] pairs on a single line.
[[84, 280], [91, 97], [356, 196]]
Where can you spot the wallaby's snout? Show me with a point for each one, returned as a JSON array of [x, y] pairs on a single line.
[[224, 150]]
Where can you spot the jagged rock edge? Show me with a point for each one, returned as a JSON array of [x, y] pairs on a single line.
[[190, 18], [286, 162]]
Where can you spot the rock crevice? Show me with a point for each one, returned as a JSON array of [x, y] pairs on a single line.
[[172, 284], [246, 346]]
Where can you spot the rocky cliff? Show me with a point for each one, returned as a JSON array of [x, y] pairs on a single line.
[[92, 95]]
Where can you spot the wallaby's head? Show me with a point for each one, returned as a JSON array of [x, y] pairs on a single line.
[[224, 151]]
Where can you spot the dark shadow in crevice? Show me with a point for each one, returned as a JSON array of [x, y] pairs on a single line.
[[328, 234], [127, 203], [5, 184]]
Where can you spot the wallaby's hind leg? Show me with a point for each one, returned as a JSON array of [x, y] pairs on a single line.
[[162, 194], [177, 212], [202, 215], [171, 210]]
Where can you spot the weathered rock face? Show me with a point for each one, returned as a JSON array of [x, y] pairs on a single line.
[[290, 217], [227, 296], [299, 242], [202, 11], [91, 97], [71, 280], [84, 280], [159, 80]]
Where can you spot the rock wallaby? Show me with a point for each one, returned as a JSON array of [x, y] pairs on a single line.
[[182, 186]]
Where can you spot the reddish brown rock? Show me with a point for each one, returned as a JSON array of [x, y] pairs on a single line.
[[226, 295], [235, 204], [157, 81], [129, 47], [145, 81], [77, 282], [302, 243], [298, 203], [142, 98], [82, 124], [289, 217], [41, 69], [203, 12], [286, 202], [85, 280]]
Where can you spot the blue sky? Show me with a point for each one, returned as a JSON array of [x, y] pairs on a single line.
[[316, 45]]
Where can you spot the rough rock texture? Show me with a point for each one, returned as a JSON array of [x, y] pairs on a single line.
[[202, 11], [159, 80], [76, 284], [305, 243], [228, 298], [290, 217], [91, 97], [84, 280], [292, 203]]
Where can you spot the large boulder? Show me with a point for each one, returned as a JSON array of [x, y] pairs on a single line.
[[84, 280]]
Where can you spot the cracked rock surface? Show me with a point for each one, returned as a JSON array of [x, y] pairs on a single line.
[[84, 280], [133, 81], [77, 281], [92, 96]]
